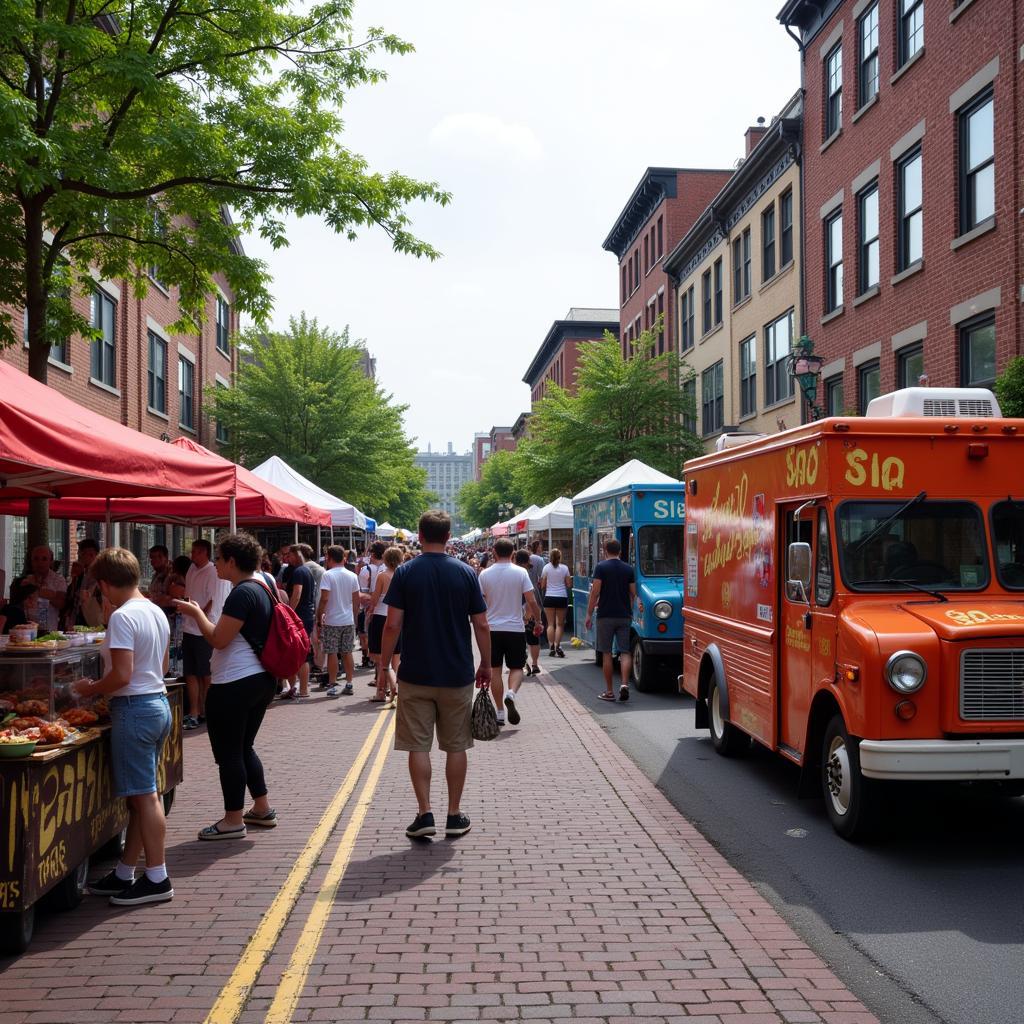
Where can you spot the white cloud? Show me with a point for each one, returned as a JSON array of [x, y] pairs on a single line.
[[487, 137]]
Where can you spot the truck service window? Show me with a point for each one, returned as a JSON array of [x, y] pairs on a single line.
[[660, 550], [936, 544], [1008, 538]]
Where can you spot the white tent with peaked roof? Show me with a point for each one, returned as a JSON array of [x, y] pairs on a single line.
[[279, 473], [632, 472]]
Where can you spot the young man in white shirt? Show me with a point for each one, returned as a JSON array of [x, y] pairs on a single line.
[[505, 586], [202, 586], [367, 581], [336, 617], [135, 659]]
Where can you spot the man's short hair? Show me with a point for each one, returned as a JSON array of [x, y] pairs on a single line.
[[156, 549], [522, 557], [244, 548], [435, 526], [118, 567], [503, 547], [88, 544], [377, 549], [296, 549], [613, 547], [307, 552], [336, 554], [203, 543], [535, 546]]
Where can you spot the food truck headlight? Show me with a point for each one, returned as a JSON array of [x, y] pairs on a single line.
[[662, 609], [906, 672]]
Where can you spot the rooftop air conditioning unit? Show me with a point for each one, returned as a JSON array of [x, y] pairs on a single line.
[[736, 438], [943, 402]]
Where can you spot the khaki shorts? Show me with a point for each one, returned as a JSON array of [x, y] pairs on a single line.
[[422, 708]]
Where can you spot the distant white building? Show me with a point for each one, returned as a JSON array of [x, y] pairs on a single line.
[[446, 473]]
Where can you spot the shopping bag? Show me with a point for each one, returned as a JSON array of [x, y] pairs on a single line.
[[485, 718]]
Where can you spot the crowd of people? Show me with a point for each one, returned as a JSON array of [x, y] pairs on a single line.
[[413, 613]]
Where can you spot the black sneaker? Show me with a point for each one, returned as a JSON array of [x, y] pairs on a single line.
[[423, 826], [144, 891], [109, 885], [551, 653], [456, 825], [513, 711], [559, 653]]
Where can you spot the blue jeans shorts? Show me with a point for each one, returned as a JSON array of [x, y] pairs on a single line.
[[139, 725]]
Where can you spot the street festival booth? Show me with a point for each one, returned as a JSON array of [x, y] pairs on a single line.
[[56, 800], [555, 520], [385, 531], [342, 514]]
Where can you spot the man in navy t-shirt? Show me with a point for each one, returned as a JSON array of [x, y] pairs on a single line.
[[613, 591], [432, 601]]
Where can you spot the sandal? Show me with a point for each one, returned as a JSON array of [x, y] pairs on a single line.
[[268, 820], [212, 832], [606, 696], [378, 699]]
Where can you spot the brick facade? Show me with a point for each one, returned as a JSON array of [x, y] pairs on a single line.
[[662, 208], [558, 357], [929, 71]]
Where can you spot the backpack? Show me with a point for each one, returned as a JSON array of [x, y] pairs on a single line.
[[485, 718], [287, 643]]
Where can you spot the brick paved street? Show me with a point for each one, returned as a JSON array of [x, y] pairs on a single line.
[[579, 894]]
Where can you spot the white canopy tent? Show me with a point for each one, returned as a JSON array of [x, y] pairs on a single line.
[[507, 526], [278, 472], [555, 516], [385, 531], [632, 472]]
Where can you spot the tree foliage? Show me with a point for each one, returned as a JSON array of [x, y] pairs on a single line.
[[1010, 388], [624, 408], [129, 129], [302, 395], [496, 495]]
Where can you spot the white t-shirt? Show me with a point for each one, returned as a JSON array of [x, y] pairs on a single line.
[[556, 575], [368, 577], [340, 585], [503, 586], [141, 627], [381, 607], [202, 585]]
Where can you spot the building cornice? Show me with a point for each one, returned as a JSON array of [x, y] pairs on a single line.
[[657, 184], [560, 332], [809, 16]]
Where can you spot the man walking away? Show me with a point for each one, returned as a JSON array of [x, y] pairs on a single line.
[[534, 629], [336, 617], [505, 586], [368, 573], [431, 602], [303, 598], [613, 592]]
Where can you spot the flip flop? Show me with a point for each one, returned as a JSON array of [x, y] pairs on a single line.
[[606, 696], [212, 832]]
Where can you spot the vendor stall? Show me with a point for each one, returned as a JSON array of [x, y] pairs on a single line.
[[56, 801]]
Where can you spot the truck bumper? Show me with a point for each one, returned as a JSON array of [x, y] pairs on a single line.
[[663, 648], [942, 760]]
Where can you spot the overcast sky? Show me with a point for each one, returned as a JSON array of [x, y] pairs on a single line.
[[540, 117]]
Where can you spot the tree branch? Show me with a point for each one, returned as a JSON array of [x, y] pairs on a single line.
[[73, 185]]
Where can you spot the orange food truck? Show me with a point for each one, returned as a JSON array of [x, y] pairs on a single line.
[[855, 598]]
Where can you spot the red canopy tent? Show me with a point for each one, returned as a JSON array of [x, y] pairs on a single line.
[[50, 447], [257, 503]]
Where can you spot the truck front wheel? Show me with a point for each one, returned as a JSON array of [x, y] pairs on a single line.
[[643, 669], [16, 930], [725, 738], [851, 800]]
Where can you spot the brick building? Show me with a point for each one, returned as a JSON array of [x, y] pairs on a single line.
[[735, 287], [140, 375], [912, 157], [662, 208], [558, 356]]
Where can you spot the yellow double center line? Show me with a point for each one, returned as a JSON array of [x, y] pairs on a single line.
[[234, 995]]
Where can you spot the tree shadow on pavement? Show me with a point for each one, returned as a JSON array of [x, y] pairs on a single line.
[[395, 871]]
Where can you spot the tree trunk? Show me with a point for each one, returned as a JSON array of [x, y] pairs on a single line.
[[36, 290]]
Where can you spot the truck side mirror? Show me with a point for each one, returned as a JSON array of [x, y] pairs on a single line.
[[798, 572]]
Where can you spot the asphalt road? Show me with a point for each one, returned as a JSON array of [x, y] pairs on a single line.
[[926, 924]]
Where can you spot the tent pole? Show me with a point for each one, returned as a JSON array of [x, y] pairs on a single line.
[[232, 518], [350, 542], [296, 541], [549, 541], [318, 551], [106, 525], [332, 533]]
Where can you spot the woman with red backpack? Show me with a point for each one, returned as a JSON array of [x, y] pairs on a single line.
[[242, 688]]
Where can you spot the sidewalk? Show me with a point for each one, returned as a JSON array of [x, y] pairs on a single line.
[[579, 894]]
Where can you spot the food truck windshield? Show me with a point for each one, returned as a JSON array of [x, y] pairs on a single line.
[[936, 544], [660, 550]]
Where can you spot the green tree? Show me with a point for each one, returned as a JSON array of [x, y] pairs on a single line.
[[302, 395], [1010, 388], [624, 408], [482, 503], [129, 130]]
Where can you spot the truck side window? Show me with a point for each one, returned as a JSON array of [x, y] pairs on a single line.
[[824, 579]]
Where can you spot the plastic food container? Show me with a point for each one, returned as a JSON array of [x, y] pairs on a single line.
[[17, 749], [22, 634]]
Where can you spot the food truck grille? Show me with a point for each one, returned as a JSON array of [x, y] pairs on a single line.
[[992, 685]]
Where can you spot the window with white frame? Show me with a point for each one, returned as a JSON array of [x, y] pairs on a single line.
[[186, 393], [910, 207], [748, 376], [834, 261], [103, 366], [868, 267], [977, 161], [156, 373], [778, 342], [910, 32], [867, 63], [834, 91]]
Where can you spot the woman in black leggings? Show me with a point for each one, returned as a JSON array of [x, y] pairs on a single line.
[[241, 690]]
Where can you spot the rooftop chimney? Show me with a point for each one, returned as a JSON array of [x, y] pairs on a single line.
[[754, 135]]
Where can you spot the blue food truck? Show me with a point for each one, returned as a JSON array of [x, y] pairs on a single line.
[[643, 510]]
